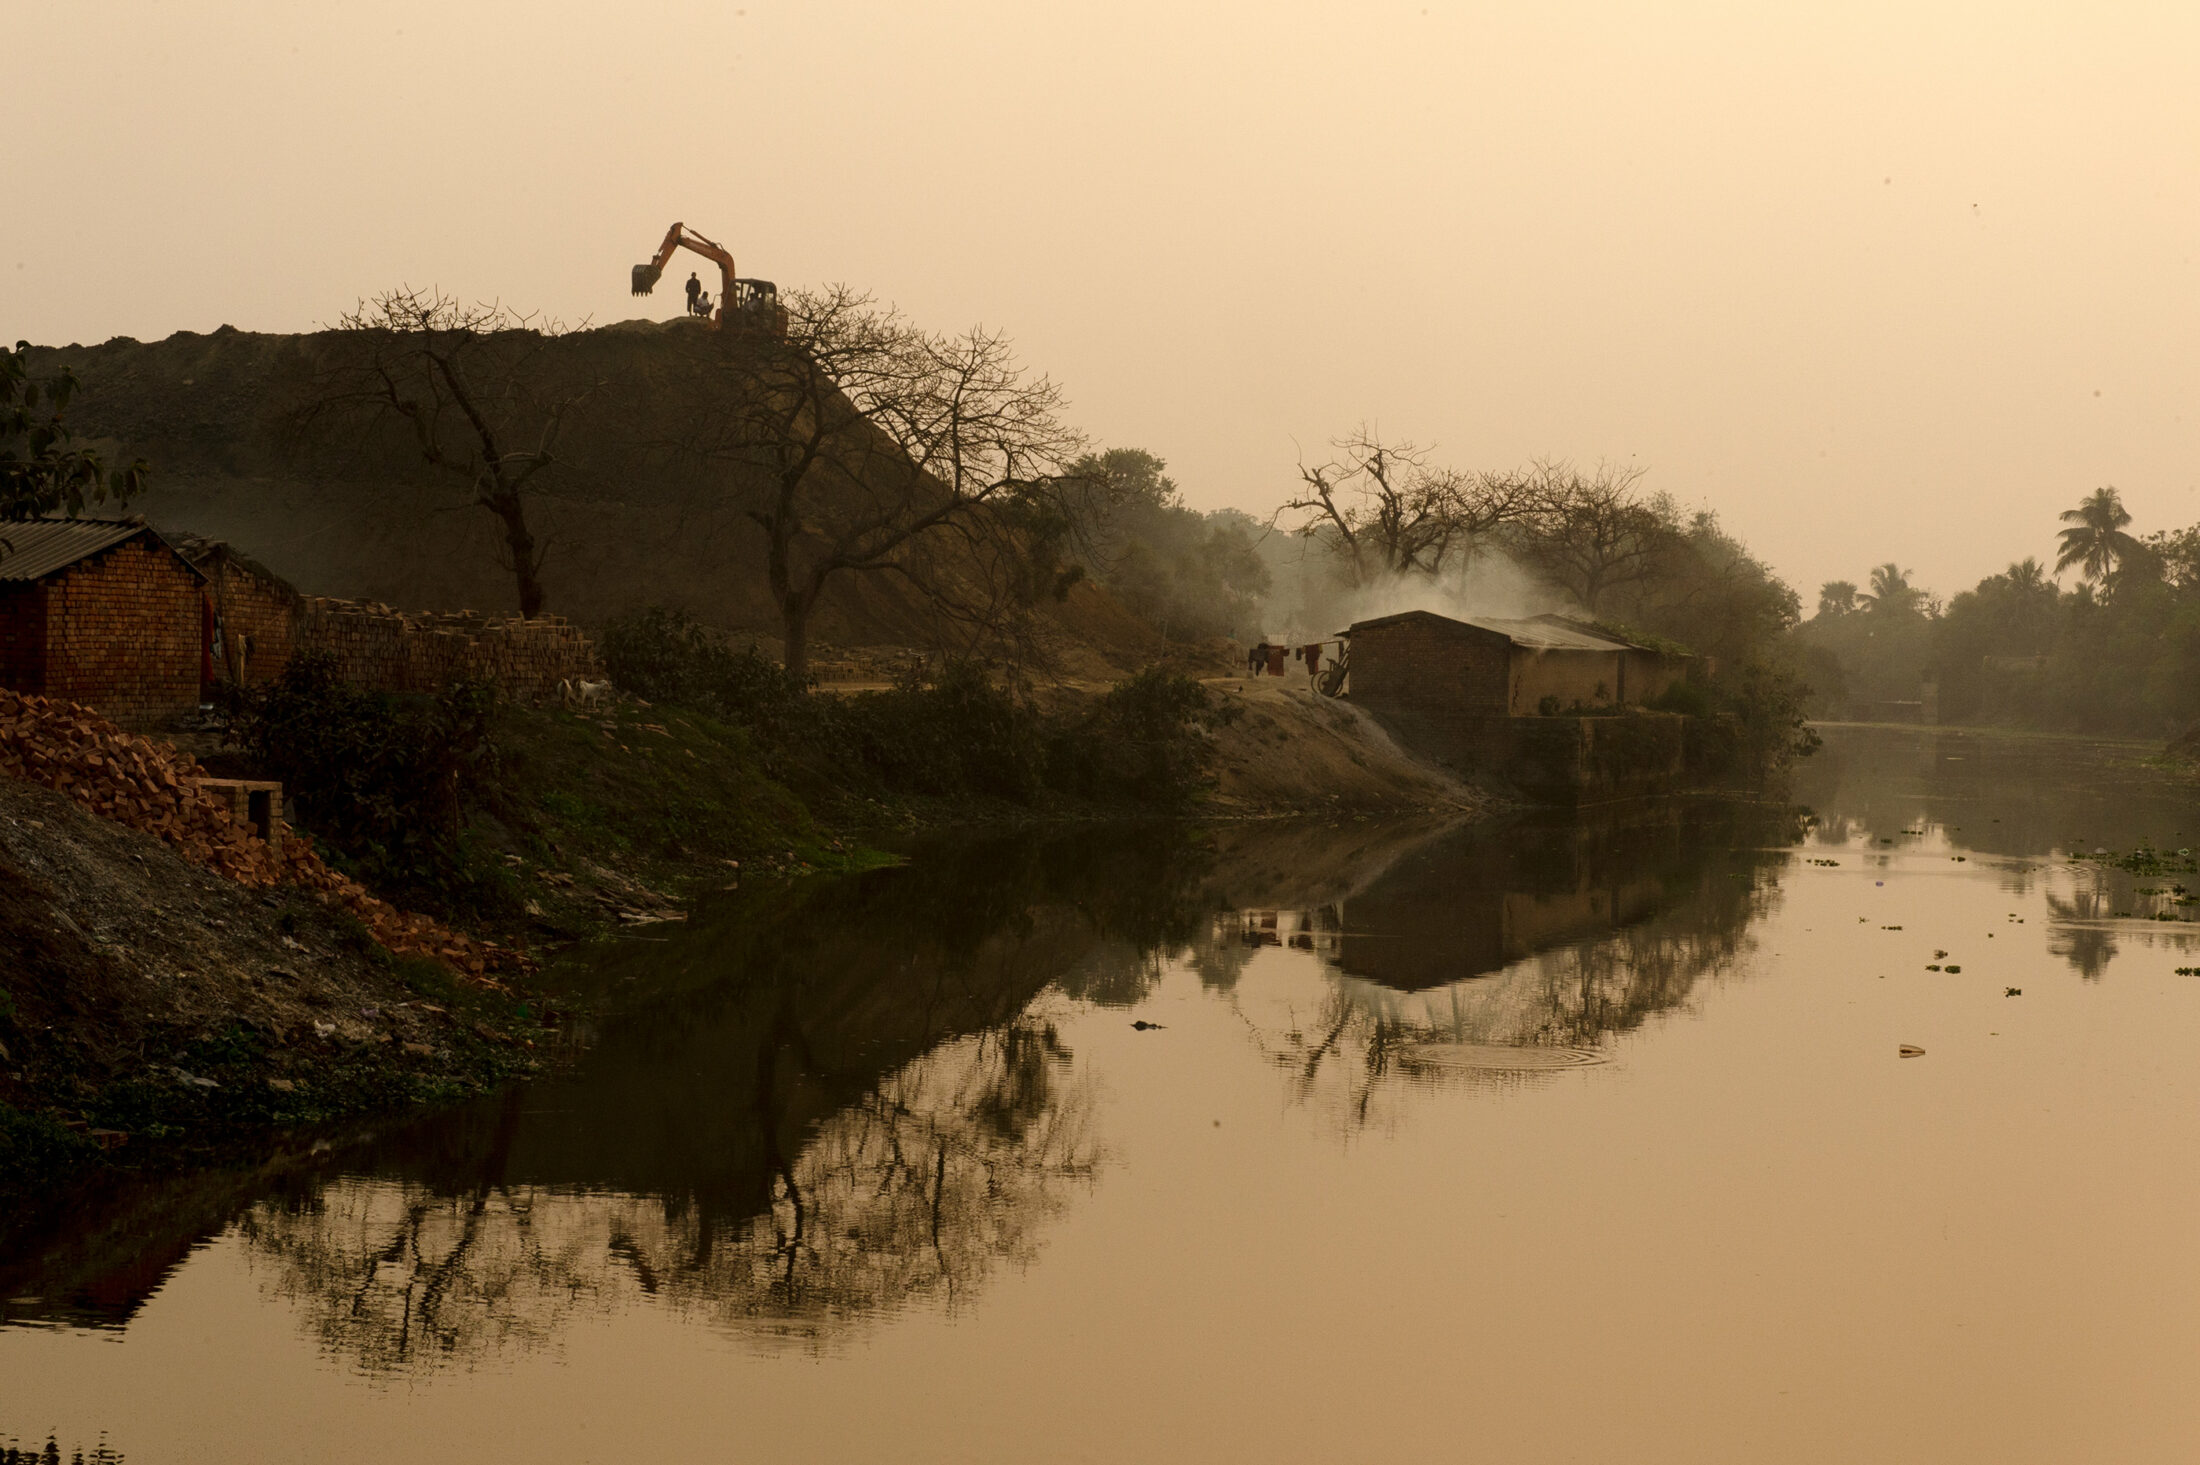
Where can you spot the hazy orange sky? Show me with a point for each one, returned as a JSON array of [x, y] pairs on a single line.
[[1874, 281]]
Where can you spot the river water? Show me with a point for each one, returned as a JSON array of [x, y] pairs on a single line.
[[1537, 1140]]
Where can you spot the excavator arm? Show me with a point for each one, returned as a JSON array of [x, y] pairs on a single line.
[[679, 236], [754, 304]]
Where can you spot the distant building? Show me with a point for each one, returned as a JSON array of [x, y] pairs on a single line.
[[1418, 661], [107, 613], [1527, 703]]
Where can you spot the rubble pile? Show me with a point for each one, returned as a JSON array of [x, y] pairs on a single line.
[[148, 786]]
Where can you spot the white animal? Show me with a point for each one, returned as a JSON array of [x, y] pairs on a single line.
[[579, 695]]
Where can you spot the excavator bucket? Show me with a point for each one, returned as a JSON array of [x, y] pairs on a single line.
[[645, 278]]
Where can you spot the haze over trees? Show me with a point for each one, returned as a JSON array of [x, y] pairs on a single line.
[[1591, 542], [2118, 652], [1390, 509], [1191, 575]]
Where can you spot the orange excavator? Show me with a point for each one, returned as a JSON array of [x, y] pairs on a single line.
[[742, 304]]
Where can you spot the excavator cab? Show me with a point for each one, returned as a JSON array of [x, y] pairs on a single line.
[[755, 307]]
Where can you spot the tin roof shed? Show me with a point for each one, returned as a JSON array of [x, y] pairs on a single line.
[[36, 548]]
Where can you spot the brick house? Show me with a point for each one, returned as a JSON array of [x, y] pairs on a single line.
[[255, 610], [107, 613], [1490, 667], [1504, 699]]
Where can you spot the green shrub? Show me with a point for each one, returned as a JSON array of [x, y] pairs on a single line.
[[1751, 722], [1690, 699], [1145, 744], [384, 782], [662, 655], [952, 732]]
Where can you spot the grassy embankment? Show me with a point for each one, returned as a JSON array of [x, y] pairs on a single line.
[[609, 819]]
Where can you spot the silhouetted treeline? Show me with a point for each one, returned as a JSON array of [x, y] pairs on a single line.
[[2117, 653]]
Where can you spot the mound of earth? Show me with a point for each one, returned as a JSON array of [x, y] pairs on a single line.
[[212, 414], [1290, 749]]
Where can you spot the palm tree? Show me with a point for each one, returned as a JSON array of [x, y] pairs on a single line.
[[1891, 590], [1837, 597], [2026, 576], [2095, 541]]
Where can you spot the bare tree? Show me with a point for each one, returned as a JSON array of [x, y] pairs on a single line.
[[861, 445], [1592, 533], [470, 389], [1385, 507]]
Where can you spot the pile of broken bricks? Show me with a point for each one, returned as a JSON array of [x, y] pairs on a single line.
[[149, 786]]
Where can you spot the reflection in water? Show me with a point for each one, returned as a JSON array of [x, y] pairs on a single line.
[[1494, 954], [846, 1100], [2078, 934], [2021, 800], [841, 1104], [802, 1088], [942, 1171], [2017, 798], [822, 1107]]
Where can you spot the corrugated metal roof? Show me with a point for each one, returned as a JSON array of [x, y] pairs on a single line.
[[1548, 632], [38, 547]]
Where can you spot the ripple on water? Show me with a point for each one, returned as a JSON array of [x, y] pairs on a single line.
[[1499, 1057]]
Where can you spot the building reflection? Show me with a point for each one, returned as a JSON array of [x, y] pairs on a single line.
[[855, 1097], [1503, 955]]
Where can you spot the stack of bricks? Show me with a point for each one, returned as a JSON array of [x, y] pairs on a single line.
[[125, 629], [148, 786], [376, 646]]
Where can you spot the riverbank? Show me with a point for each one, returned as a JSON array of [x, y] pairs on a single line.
[[152, 1010], [158, 1013]]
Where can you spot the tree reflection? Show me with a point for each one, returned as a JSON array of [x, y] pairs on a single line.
[[945, 1170], [2090, 947]]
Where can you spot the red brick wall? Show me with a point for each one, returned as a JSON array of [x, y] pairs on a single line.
[[1430, 666], [124, 633], [263, 617], [376, 646]]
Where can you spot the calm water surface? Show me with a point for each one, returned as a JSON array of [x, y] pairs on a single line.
[[1553, 1141]]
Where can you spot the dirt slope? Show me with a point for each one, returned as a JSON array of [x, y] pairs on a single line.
[[150, 1000], [209, 412], [1292, 749]]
